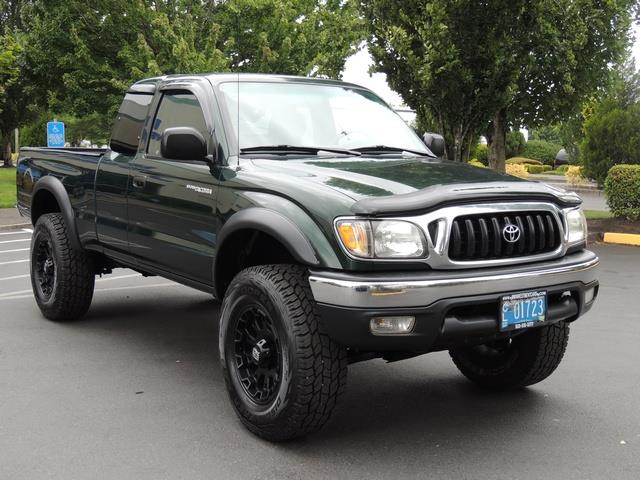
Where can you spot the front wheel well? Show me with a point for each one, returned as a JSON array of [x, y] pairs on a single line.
[[247, 248]]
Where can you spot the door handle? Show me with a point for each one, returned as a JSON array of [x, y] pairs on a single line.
[[139, 182]]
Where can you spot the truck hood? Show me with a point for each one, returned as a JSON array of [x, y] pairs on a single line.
[[383, 185]]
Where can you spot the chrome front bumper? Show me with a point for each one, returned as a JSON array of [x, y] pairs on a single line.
[[421, 289]]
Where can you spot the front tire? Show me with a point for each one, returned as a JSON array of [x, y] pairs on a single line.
[[283, 373], [516, 362], [62, 277]]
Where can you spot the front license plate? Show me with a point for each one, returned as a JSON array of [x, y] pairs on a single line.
[[522, 310]]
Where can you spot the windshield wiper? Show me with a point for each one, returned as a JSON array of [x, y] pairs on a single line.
[[388, 149], [297, 149]]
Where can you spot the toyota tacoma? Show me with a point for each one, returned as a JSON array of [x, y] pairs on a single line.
[[330, 232]]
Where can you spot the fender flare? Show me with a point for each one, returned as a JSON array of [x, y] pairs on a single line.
[[274, 224], [55, 187]]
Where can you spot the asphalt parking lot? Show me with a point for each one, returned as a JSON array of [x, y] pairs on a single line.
[[134, 391]]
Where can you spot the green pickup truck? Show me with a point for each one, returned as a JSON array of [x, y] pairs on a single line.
[[329, 231]]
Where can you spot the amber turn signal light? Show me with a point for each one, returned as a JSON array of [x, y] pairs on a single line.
[[355, 236]]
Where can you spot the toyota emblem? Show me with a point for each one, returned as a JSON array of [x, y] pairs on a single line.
[[511, 233]]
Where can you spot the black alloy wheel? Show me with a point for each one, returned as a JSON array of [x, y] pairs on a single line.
[[258, 355], [45, 267]]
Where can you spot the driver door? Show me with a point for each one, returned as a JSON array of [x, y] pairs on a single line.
[[172, 204]]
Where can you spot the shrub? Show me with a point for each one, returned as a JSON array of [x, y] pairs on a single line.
[[622, 187], [535, 168], [517, 170], [481, 153], [574, 175], [523, 161], [540, 150], [562, 168], [515, 143], [476, 163], [547, 168], [610, 139]]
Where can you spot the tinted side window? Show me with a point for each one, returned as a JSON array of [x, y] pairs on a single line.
[[176, 110], [128, 125]]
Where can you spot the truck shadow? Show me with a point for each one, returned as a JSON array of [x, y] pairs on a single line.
[[415, 407]]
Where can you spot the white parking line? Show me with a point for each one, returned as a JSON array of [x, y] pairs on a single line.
[[15, 250], [11, 294], [14, 261], [28, 230], [15, 241], [16, 232], [105, 279], [15, 277], [17, 295]]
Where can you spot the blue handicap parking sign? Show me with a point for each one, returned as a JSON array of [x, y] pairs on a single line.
[[55, 134]]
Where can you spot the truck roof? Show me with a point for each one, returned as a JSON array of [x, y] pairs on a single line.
[[148, 85]]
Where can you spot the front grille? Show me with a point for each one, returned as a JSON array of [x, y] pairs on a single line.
[[482, 237]]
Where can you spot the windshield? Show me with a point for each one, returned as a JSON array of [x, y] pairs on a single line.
[[314, 115]]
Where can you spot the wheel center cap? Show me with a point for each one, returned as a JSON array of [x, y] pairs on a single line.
[[260, 351]]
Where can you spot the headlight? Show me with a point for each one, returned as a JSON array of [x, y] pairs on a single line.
[[576, 226], [381, 238]]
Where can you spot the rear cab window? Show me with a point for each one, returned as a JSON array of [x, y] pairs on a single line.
[[128, 125]]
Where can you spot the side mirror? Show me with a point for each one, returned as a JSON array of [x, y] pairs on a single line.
[[435, 143], [183, 143]]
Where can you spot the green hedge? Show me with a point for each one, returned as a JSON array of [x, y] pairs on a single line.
[[535, 168], [475, 163], [540, 150], [481, 153], [547, 168], [562, 168], [622, 187], [523, 161]]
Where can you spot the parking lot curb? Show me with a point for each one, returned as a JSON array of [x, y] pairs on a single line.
[[15, 226], [622, 238]]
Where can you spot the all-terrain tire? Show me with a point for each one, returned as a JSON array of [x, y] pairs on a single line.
[[300, 399], [524, 360], [62, 277]]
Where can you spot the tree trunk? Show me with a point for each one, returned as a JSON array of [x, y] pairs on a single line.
[[457, 146], [498, 143], [5, 140]]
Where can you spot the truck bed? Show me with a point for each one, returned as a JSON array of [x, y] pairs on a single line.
[[74, 167]]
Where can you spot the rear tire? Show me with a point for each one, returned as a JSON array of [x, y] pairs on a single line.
[[283, 373], [62, 277], [523, 360]]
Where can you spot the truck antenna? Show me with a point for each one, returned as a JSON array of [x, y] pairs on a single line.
[[238, 86]]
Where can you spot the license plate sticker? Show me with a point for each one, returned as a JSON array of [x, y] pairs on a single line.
[[522, 310]]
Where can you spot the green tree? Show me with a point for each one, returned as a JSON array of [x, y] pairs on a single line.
[[81, 56], [548, 133], [611, 138], [9, 76], [491, 65], [441, 56], [610, 128], [299, 37], [515, 143]]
